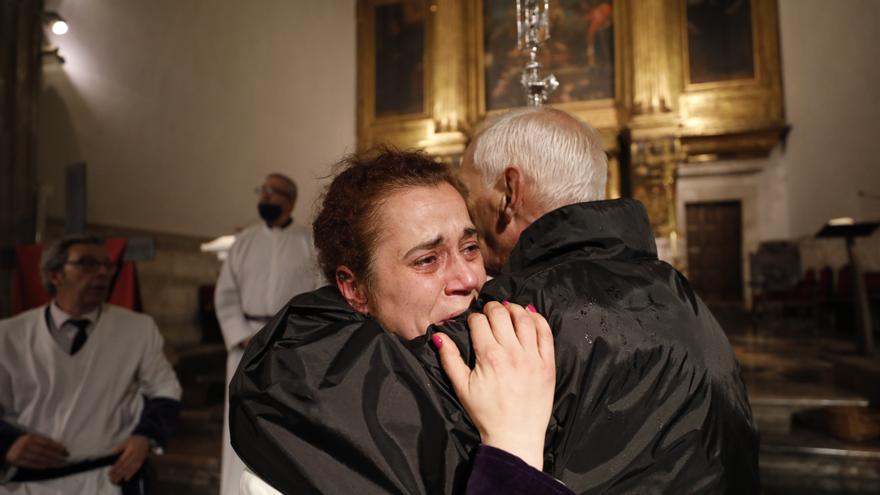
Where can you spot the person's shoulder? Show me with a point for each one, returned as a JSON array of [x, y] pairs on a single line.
[[130, 326], [20, 322], [300, 230], [245, 236], [118, 313], [16, 332], [249, 231], [325, 299]]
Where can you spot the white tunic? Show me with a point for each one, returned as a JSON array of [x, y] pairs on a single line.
[[91, 401], [251, 484], [265, 268]]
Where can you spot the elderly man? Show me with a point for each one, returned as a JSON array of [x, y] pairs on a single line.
[[83, 384], [660, 403], [648, 393], [269, 263]]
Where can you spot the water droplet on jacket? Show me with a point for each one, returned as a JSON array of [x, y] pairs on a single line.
[[613, 292], [588, 338]]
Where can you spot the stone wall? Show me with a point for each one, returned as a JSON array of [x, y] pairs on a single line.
[[180, 108]]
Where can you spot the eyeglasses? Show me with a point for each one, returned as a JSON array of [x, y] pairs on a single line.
[[270, 191], [89, 264]]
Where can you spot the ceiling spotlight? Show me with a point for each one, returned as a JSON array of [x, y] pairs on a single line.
[[59, 27], [55, 22]]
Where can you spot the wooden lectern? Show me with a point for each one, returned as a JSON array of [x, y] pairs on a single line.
[[864, 330]]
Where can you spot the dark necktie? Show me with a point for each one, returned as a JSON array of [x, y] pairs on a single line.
[[80, 338]]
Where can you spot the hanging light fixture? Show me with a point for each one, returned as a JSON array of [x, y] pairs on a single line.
[[55, 23], [532, 30]]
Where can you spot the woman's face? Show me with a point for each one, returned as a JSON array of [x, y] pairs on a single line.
[[426, 263]]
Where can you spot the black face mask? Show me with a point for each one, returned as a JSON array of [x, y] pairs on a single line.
[[269, 212]]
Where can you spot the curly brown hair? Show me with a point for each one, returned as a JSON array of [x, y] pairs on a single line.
[[346, 227]]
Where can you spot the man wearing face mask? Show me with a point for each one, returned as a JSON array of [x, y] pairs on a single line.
[[269, 263]]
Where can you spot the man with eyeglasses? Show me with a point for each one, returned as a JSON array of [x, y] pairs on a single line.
[[85, 389], [269, 263]]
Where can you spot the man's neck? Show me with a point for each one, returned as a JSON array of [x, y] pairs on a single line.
[[508, 240], [73, 308], [280, 223]]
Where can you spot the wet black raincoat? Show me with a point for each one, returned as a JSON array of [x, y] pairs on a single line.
[[648, 396]]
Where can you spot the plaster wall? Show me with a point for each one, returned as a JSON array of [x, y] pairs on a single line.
[[180, 108]]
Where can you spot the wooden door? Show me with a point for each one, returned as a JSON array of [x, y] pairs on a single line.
[[714, 247]]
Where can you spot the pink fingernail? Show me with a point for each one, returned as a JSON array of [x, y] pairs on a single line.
[[438, 342], [531, 308], [506, 303]]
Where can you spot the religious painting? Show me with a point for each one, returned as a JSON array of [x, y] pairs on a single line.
[[719, 40], [399, 55], [580, 52]]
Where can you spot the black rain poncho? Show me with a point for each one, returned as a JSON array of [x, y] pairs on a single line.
[[648, 396]]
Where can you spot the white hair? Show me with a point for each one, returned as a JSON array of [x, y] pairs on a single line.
[[560, 154]]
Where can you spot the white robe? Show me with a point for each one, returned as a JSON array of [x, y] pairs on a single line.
[[251, 484], [265, 268], [90, 401]]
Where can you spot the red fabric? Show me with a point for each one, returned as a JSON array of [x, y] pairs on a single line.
[[126, 289], [28, 291]]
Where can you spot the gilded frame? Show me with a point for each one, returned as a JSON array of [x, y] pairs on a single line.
[[741, 105], [710, 85], [654, 100], [605, 114], [403, 130]]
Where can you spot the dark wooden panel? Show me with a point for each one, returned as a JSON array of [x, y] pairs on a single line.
[[714, 240], [20, 70]]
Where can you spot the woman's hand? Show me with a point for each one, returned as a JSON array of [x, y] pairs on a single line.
[[509, 393]]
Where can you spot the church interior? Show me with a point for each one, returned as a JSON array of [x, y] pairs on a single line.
[[743, 126]]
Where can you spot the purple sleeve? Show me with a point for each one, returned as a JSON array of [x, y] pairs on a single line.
[[158, 420], [8, 435], [496, 471]]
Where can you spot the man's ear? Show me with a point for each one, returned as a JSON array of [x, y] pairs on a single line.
[[352, 290], [512, 194], [55, 278]]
